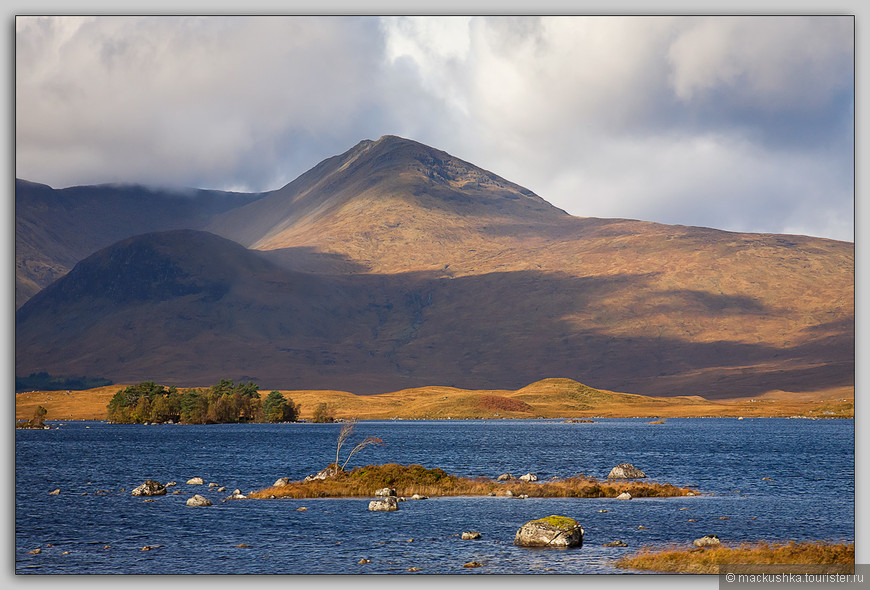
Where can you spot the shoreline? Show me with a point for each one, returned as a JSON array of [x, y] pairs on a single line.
[[548, 399]]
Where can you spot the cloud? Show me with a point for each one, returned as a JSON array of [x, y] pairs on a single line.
[[742, 123]]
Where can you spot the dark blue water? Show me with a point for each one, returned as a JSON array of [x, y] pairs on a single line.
[[96, 526]]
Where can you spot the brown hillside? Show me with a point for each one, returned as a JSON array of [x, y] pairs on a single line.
[[398, 266], [550, 398]]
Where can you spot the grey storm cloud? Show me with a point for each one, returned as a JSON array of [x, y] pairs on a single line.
[[740, 123]]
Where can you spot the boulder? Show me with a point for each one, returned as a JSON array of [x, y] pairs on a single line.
[[419, 497], [626, 471], [505, 477], [552, 531], [236, 495], [198, 500], [170, 484], [195, 481], [385, 492], [470, 535], [323, 473], [624, 496], [387, 504], [281, 482], [529, 477], [616, 544], [707, 541], [150, 488]]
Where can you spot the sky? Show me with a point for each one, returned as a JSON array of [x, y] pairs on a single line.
[[742, 123]]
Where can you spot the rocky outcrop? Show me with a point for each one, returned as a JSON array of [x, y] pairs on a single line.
[[626, 471], [198, 500], [387, 504], [552, 531], [150, 488], [529, 477], [707, 541], [323, 473], [385, 492]]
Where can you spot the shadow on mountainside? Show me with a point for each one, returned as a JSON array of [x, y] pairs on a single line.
[[186, 309]]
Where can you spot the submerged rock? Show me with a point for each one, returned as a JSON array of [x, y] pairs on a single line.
[[470, 535], [626, 471], [387, 504], [150, 488], [616, 544], [552, 531]]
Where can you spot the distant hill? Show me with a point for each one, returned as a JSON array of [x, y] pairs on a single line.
[[55, 228], [395, 265]]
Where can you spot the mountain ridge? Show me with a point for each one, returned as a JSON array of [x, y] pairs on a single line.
[[394, 265]]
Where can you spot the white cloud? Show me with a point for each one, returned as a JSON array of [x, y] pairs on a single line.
[[707, 121]]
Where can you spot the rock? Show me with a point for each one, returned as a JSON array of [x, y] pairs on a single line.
[[470, 535], [222, 489], [616, 544], [624, 496], [281, 482], [472, 564], [523, 496], [552, 531], [626, 471], [419, 497], [302, 509], [150, 547], [36, 551], [323, 473], [602, 510], [529, 477], [195, 481], [54, 492], [707, 541], [364, 560], [413, 569], [213, 485], [509, 494], [385, 492], [198, 500], [150, 488], [505, 477], [387, 504], [170, 484], [236, 495]]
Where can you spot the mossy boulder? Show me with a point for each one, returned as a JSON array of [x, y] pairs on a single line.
[[551, 531]]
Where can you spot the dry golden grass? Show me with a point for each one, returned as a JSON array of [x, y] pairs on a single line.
[[550, 398], [408, 480], [707, 561]]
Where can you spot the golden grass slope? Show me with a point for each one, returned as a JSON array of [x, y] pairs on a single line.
[[549, 398]]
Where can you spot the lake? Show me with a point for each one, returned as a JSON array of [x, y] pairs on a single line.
[[95, 526]]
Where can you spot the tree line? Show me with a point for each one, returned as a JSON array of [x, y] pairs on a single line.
[[226, 402]]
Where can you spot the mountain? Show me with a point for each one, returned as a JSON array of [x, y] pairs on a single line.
[[55, 228], [395, 265]]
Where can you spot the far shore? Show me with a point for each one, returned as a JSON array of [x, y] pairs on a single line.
[[547, 399]]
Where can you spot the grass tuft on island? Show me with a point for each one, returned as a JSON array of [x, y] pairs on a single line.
[[707, 560], [408, 480]]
